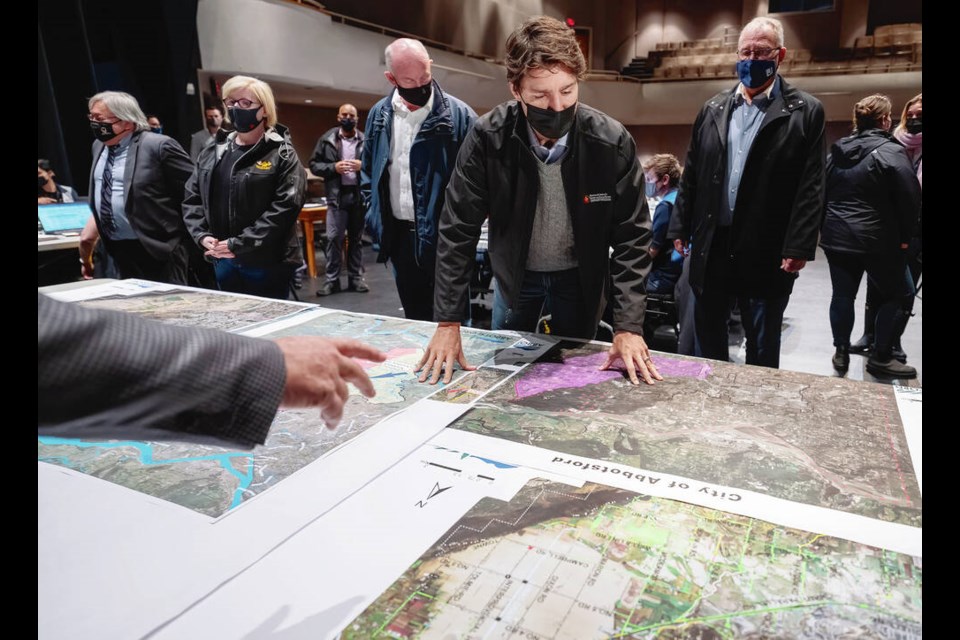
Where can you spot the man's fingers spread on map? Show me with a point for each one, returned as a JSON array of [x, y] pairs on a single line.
[[351, 371], [462, 359], [631, 371]]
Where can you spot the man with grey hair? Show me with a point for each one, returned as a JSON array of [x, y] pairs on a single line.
[[136, 189], [412, 139], [751, 198]]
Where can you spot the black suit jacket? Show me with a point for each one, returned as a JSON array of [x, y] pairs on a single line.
[[111, 374], [156, 170], [781, 195]]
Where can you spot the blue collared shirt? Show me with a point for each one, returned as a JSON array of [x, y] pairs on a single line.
[[745, 121], [556, 153], [124, 230]]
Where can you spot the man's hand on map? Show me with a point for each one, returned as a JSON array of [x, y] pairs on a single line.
[[444, 349], [632, 350], [318, 370]]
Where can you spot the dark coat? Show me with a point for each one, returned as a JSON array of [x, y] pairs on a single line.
[[496, 176], [432, 157], [780, 200], [326, 154], [157, 168], [873, 196], [267, 189]]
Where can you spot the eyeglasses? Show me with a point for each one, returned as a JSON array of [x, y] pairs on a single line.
[[100, 119], [243, 103], [759, 53]]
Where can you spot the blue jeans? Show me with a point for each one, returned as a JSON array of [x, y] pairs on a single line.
[[557, 293], [269, 282]]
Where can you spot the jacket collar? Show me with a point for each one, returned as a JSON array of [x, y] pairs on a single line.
[[785, 101]]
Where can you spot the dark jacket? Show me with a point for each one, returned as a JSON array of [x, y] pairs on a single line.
[[873, 197], [326, 154], [432, 158], [780, 200], [157, 168], [267, 189], [496, 176]]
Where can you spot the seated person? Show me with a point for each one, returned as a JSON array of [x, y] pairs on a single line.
[[662, 173], [48, 191]]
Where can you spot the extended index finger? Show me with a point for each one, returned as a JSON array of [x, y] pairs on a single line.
[[356, 349]]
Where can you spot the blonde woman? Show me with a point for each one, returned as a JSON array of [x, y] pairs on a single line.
[[244, 196]]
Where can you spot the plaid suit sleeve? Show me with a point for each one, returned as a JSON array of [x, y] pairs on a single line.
[[113, 371]]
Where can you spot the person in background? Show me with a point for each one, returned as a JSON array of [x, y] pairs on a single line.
[[336, 159], [751, 198], [563, 190], [244, 196], [872, 204], [909, 133], [48, 191], [662, 177], [155, 125], [212, 120], [412, 139], [136, 189], [105, 373]]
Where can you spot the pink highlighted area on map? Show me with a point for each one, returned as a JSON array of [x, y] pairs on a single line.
[[581, 371]]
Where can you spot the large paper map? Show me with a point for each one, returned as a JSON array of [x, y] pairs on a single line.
[[822, 441], [213, 479], [597, 562]]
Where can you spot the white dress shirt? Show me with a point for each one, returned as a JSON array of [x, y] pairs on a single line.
[[406, 126]]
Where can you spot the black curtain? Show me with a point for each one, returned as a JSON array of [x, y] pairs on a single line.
[[146, 49]]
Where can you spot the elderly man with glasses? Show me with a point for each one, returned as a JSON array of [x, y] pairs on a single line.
[[136, 189], [751, 198]]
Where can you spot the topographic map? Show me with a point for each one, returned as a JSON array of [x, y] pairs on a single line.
[[212, 479], [598, 562], [199, 308], [827, 442]]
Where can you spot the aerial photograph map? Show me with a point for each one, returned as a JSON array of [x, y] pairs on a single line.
[[189, 308], [213, 479], [564, 563], [823, 441]]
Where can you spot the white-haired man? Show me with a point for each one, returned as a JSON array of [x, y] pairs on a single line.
[[136, 189], [751, 198], [412, 139]]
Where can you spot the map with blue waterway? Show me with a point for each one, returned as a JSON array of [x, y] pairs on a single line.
[[212, 479]]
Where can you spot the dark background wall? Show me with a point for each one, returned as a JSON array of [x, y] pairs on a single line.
[[85, 46]]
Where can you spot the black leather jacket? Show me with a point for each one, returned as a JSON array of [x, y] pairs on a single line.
[[267, 189], [496, 177]]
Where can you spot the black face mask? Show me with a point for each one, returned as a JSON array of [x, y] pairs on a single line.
[[418, 96], [549, 123], [211, 122], [102, 131], [41, 182], [348, 124], [914, 125], [244, 119], [157, 129]]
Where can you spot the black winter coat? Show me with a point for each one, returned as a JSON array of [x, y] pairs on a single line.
[[780, 200], [496, 176], [873, 196]]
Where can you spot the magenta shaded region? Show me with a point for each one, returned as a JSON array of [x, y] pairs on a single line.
[[578, 371], [674, 368]]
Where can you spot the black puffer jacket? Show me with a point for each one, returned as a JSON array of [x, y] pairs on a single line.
[[267, 189], [496, 177], [873, 196]]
